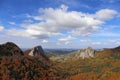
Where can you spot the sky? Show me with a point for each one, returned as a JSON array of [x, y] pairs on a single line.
[[60, 23]]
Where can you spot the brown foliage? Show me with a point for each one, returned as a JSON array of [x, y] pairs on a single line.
[[25, 68]]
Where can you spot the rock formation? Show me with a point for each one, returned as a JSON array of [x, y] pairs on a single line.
[[36, 51], [85, 53]]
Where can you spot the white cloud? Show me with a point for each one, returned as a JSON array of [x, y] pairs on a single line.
[[106, 34], [91, 42], [44, 41], [118, 42], [12, 23], [85, 41], [64, 8], [114, 41], [52, 21], [67, 38], [67, 42], [96, 43], [105, 14], [27, 21], [31, 33], [1, 28], [15, 32], [61, 43]]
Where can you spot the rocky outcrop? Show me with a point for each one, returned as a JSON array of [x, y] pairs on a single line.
[[85, 53], [36, 51], [10, 49]]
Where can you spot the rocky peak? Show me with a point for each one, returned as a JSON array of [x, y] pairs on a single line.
[[37, 51], [9, 49], [85, 53], [89, 48]]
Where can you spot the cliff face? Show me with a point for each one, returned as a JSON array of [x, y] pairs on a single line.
[[85, 53], [37, 52], [10, 49]]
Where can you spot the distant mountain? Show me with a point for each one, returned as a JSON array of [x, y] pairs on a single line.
[[104, 64], [50, 54], [60, 64], [60, 51], [10, 49], [36, 52]]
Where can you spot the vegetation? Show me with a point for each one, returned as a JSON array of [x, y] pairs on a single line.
[[25, 68], [105, 66]]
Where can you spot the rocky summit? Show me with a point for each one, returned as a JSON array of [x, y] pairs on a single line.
[[36, 51], [85, 53]]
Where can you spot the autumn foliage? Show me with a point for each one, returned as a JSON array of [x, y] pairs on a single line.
[[105, 66], [25, 68]]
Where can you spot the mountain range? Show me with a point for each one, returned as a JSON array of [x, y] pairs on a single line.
[[37, 64]]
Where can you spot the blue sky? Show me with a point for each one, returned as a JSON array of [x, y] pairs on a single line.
[[60, 23]]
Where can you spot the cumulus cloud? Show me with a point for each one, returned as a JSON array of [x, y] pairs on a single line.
[[105, 14], [115, 41], [106, 34], [88, 41], [44, 41], [96, 43], [52, 21], [85, 41], [28, 21], [16, 32], [67, 42], [1, 28], [12, 23], [101, 43], [67, 38]]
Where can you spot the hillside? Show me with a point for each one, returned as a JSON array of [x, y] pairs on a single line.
[[24, 67], [103, 66], [36, 64], [10, 49]]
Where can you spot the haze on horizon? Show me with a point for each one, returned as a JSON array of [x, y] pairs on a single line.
[[60, 23]]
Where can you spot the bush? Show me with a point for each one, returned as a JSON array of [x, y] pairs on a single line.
[[98, 69], [85, 69], [116, 69]]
